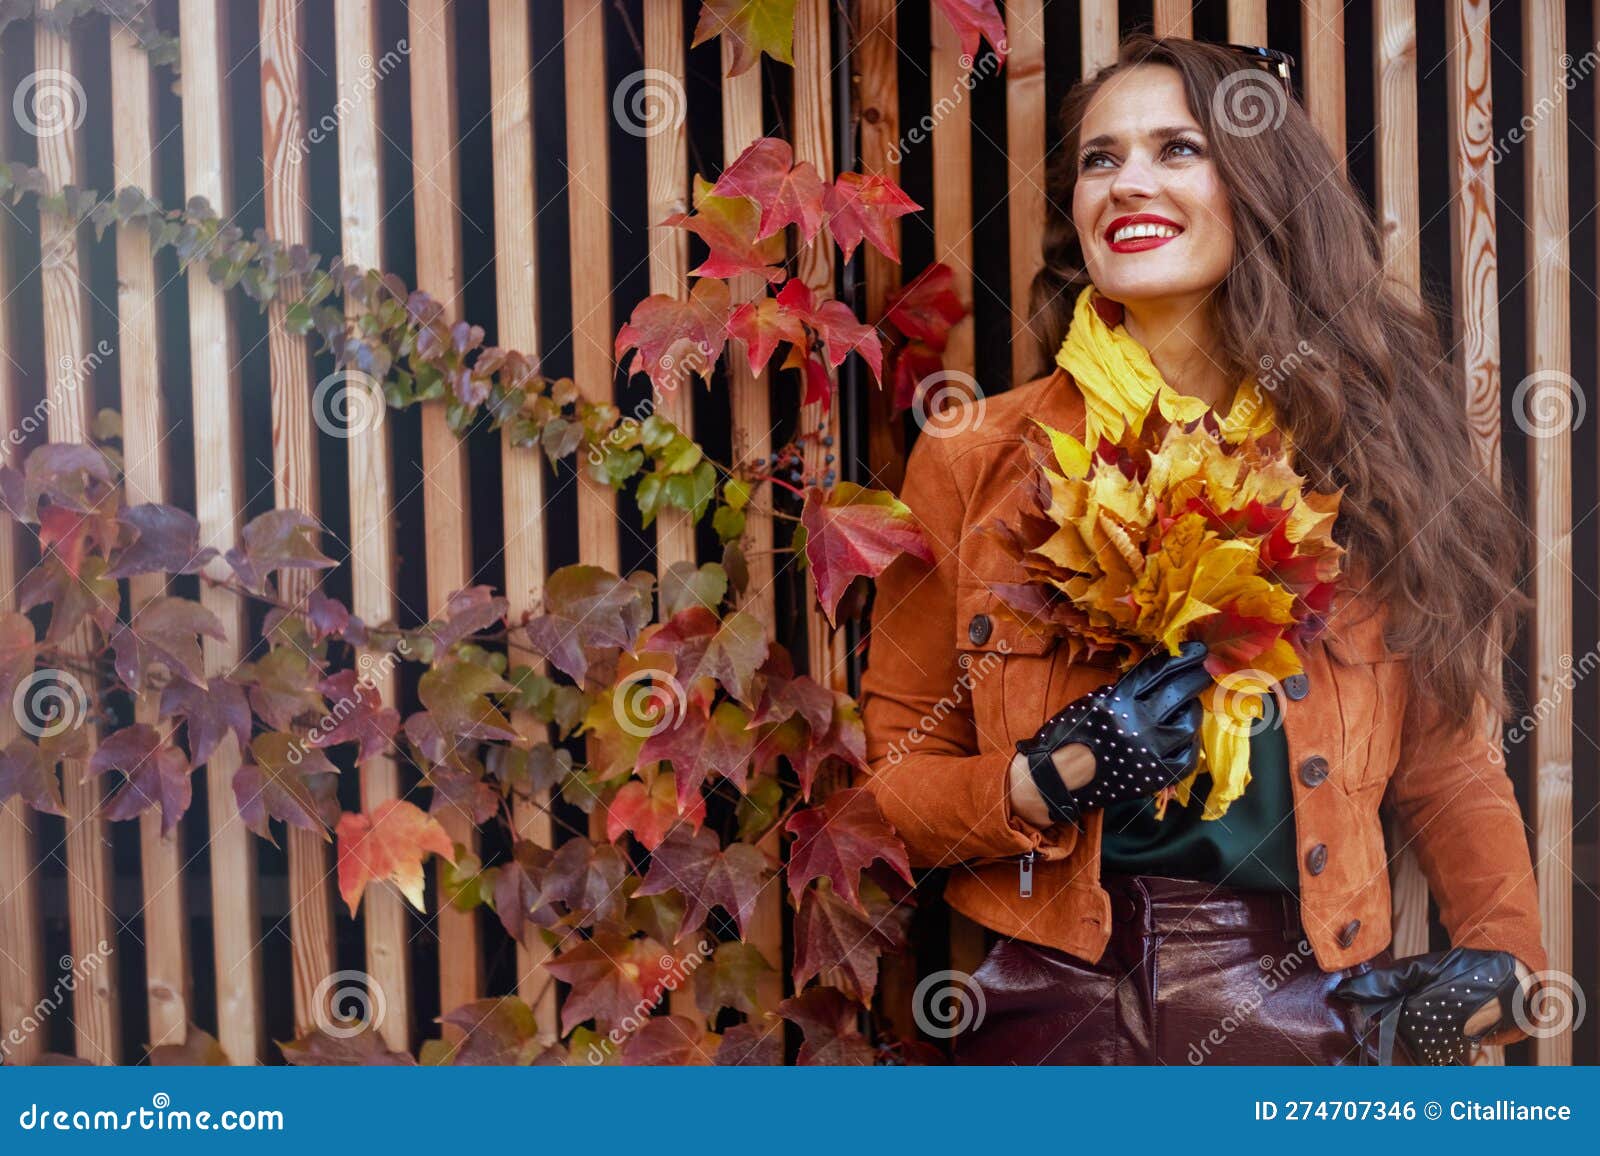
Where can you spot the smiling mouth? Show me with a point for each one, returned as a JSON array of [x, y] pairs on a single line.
[[1138, 236]]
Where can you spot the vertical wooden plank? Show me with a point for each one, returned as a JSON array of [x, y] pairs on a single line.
[[878, 89], [1474, 257], [1394, 51], [144, 430], [1173, 18], [69, 368], [952, 244], [589, 227], [1097, 34], [372, 556], [445, 495], [522, 470], [219, 498], [1247, 21], [1549, 482], [287, 202], [1322, 51], [21, 948], [750, 400], [1026, 115], [659, 97]]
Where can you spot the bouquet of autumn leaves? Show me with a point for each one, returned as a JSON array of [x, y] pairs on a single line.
[[1177, 532]]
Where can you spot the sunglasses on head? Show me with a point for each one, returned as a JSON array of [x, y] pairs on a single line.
[[1280, 64]]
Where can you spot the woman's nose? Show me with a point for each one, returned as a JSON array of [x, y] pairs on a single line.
[[1136, 179]]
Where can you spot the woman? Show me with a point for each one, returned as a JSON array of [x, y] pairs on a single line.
[[1189, 247]]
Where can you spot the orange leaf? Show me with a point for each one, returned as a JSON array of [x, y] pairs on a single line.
[[388, 845]]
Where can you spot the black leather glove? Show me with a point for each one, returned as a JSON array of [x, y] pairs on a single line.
[[1144, 731], [1427, 1000]]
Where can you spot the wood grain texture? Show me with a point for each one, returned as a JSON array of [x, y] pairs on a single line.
[[1174, 18], [1026, 115], [219, 499], [69, 370], [877, 61], [1474, 259], [1247, 21], [286, 199], [589, 232], [750, 399], [1549, 483], [21, 943], [1097, 34], [658, 108], [522, 470], [370, 472], [446, 498], [141, 362], [1322, 57]]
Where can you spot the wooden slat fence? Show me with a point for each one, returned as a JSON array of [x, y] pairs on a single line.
[[588, 41]]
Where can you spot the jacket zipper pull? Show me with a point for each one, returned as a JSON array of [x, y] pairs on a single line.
[[1025, 881]]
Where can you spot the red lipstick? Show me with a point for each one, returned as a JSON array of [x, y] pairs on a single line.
[[1139, 244]]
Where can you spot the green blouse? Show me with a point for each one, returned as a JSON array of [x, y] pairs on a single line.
[[1251, 847]]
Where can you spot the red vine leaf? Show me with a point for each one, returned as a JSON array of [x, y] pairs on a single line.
[[831, 1026], [165, 631], [728, 226], [519, 898], [728, 650], [287, 780], [758, 1043], [588, 607], [650, 812], [166, 540], [277, 540], [17, 651], [388, 845], [673, 337], [588, 880], [357, 716], [696, 866], [26, 772], [838, 839], [972, 19], [157, 775], [500, 1031], [732, 978], [787, 193], [831, 935], [700, 744], [835, 325], [674, 1040], [612, 978], [851, 532], [751, 27], [456, 695], [209, 714], [466, 612], [845, 739], [864, 206], [762, 325], [928, 308]]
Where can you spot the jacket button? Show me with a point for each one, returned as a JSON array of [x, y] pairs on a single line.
[[1317, 858], [1314, 771], [1296, 686], [979, 629], [1347, 934]]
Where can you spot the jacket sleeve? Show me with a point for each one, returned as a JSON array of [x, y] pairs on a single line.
[[948, 802], [1454, 803]]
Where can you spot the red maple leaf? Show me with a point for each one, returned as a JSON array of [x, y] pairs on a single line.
[[388, 845], [838, 839], [831, 935], [762, 325], [728, 226], [972, 19], [927, 308], [696, 866], [864, 206], [852, 532], [651, 812], [612, 977], [674, 337], [831, 1026], [787, 193]]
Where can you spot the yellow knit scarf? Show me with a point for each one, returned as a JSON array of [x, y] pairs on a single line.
[[1118, 382]]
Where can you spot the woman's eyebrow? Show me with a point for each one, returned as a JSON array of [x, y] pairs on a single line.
[[1164, 132]]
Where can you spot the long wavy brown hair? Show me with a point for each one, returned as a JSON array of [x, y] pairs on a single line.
[[1357, 371]]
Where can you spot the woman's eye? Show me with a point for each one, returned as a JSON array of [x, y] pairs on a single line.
[[1183, 147], [1093, 160]]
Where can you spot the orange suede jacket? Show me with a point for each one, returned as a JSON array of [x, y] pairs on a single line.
[[953, 682]]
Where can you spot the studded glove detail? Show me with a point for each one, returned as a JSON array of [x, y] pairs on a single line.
[[1427, 1000], [1143, 730]]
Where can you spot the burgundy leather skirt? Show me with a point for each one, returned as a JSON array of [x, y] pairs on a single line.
[[1194, 973]]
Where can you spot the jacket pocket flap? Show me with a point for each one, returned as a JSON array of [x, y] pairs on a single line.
[[985, 622]]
